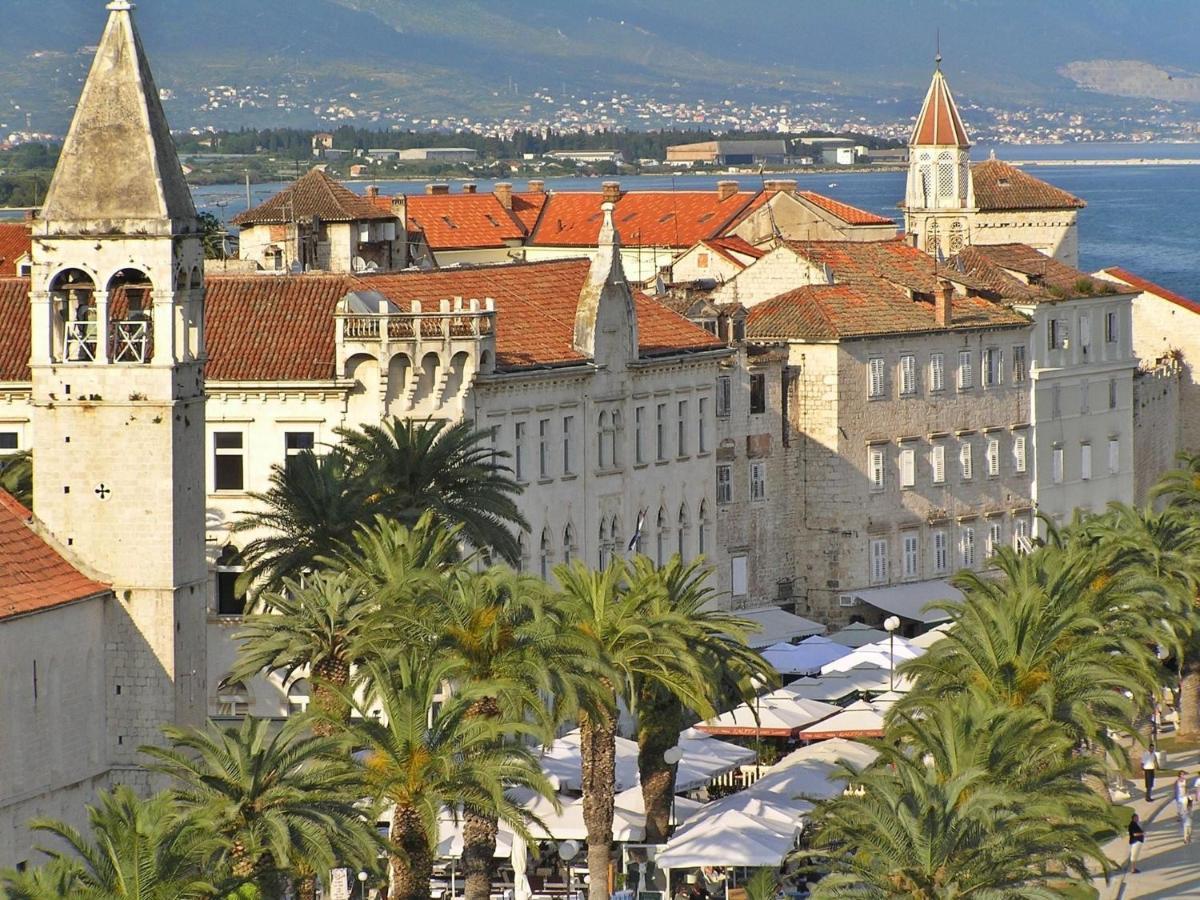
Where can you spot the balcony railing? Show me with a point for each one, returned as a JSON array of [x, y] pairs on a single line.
[[458, 324], [81, 341]]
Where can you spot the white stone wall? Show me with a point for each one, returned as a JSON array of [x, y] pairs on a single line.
[[1156, 423], [779, 271], [54, 751], [1165, 329], [701, 262], [1054, 232]]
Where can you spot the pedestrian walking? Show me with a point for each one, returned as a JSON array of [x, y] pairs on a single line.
[[1183, 806], [1149, 765], [1137, 837]]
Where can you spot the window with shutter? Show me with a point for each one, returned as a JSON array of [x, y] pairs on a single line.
[[908, 375], [879, 550], [994, 537], [937, 461], [966, 378], [937, 372], [876, 468], [1114, 456], [1018, 365], [875, 385], [908, 475], [1110, 328], [967, 540], [911, 557], [1085, 461], [993, 367], [1019, 452], [993, 457], [724, 395], [964, 459], [1056, 465], [940, 560], [1021, 535]]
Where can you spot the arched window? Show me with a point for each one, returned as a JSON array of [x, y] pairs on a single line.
[[230, 600], [681, 543], [614, 456], [660, 555], [957, 237], [615, 536], [931, 237], [298, 695], [702, 531], [522, 552], [602, 441], [568, 543], [545, 556], [605, 546], [233, 698]]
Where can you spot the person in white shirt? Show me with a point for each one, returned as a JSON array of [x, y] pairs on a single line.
[[1183, 806], [1149, 764]]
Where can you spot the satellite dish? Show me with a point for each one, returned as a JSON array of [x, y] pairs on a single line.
[[672, 755], [295, 267], [359, 264], [568, 850]]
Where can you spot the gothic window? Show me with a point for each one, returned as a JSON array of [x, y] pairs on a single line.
[[614, 536], [604, 544], [130, 307], [522, 552], [660, 554], [681, 543], [545, 557], [298, 694], [931, 236], [925, 174], [231, 601], [957, 237], [703, 531], [945, 174], [569, 547]]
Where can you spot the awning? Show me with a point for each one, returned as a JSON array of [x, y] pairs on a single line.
[[775, 625], [907, 600]]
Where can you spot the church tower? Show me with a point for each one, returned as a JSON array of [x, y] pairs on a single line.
[[939, 196], [117, 304]]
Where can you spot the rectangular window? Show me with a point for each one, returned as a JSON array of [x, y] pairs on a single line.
[[295, 443], [681, 426], [9, 442], [1018, 367], [519, 451], [967, 546], [1056, 334], [543, 448], [702, 426], [639, 434], [875, 468], [738, 575], [1111, 329], [1083, 397], [758, 393], [911, 554], [937, 462], [937, 371], [1085, 332], [908, 467], [964, 459], [994, 537], [1114, 456], [993, 367], [908, 375], [758, 481], [1085, 462], [1112, 393], [229, 461], [660, 432], [941, 560], [724, 484], [724, 395], [875, 373], [993, 457], [568, 428], [879, 560], [1021, 535], [1019, 452], [1056, 465], [230, 601], [966, 377], [1056, 402]]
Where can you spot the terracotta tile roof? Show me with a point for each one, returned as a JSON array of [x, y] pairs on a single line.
[[1019, 273], [313, 194], [14, 329], [33, 575], [15, 242], [1149, 287], [527, 206], [851, 215], [999, 186], [467, 221], [733, 244], [836, 311], [643, 218], [939, 124], [893, 260]]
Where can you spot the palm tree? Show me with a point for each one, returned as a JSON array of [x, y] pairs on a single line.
[[140, 849], [424, 753], [16, 476], [411, 467], [56, 880], [716, 641], [314, 506], [314, 627], [629, 644], [278, 802]]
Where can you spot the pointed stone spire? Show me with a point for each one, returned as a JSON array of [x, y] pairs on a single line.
[[118, 162], [939, 124], [605, 301]]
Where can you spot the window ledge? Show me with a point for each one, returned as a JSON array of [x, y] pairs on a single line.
[[230, 492], [545, 479], [567, 476]]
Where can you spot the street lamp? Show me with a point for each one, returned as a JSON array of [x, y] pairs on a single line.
[[757, 684], [672, 756], [362, 885], [890, 624]]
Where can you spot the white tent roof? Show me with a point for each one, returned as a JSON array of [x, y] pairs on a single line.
[[776, 714], [804, 658], [902, 647], [564, 760], [730, 839], [857, 634], [450, 839], [775, 625], [629, 817], [931, 637], [859, 718]]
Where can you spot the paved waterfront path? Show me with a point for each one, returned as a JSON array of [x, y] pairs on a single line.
[[1168, 867]]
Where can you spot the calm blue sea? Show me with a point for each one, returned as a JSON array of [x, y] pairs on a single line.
[[1143, 217]]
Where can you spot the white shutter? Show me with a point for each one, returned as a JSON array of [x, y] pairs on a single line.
[[993, 457], [876, 468], [908, 375], [968, 547], [876, 378], [1019, 452], [1056, 467], [910, 556], [879, 561], [937, 372], [1114, 456], [908, 475], [965, 377], [964, 459], [939, 551], [937, 459], [1085, 461]]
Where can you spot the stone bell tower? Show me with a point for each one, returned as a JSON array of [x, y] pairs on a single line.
[[117, 304]]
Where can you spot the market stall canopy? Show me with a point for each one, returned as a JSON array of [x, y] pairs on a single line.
[[909, 600], [706, 758], [859, 719], [729, 839], [857, 634], [805, 657], [775, 625], [772, 715], [931, 637], [629, 816]]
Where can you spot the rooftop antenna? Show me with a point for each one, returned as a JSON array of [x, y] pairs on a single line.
[[937, 39], [775, 233]]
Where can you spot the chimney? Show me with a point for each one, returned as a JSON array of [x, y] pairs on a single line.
[[943, 300], [726, 189], [610, 191], [537, 186], [782, 185], [437, 188], [372, 192], [468, 188], [503, 192]]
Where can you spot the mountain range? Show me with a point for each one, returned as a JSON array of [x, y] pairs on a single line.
[[484, 58]]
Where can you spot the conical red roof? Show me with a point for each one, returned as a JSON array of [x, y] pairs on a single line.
[[939, 124]]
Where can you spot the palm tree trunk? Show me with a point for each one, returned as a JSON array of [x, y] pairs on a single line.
[[412, 863], [479, 852], [329, 678], [660, 719], [306, 888], [1189, 693], [598, 744]]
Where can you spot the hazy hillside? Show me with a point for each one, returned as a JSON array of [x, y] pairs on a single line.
[[461, 56]]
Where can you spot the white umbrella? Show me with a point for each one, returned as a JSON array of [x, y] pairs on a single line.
[[769, 716], [903, 648], [629, 816], [931, 637], [858, 634], [859, 719], [861, 657], [705, 758], [730, 839], [804, 658], [563, 760]]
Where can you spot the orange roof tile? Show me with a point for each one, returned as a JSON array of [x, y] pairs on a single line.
[[34, 576], [733, 248], [999, 186], [15, 242], [467, 221], [313, 194], [1021, 274], [1149, 287], [14, 329], [939, 124], [895, 261], [643, 218], [851, 215]]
